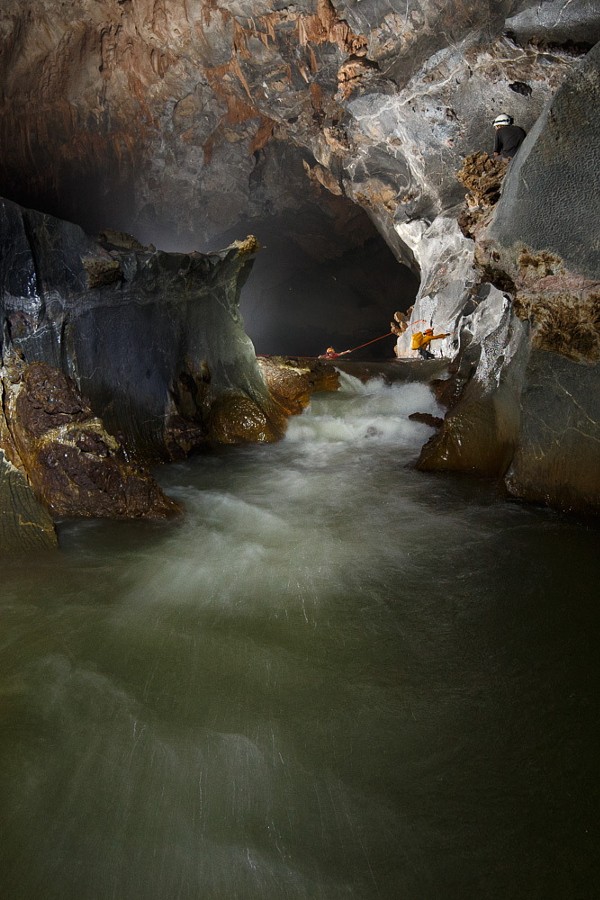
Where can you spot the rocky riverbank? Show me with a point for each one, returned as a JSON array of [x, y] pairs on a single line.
[[115, 356]]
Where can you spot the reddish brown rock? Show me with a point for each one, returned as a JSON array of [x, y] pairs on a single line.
[[236, 419], [76, 468], [291, 381], [482, 175]]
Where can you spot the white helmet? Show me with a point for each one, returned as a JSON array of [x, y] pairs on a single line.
[[503, 119]]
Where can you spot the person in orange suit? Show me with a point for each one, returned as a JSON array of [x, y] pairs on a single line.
[[422, 340]]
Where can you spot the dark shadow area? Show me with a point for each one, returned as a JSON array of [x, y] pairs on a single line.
[[325, 276], [297, 303]]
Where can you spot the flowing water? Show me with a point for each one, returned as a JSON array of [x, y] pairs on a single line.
[[336, 678]]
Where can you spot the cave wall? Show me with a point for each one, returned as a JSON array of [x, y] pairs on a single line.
[[157, 117], [189, 125], [530, 323], [336, 121]]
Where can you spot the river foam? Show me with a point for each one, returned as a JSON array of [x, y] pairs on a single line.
[[336, 677]]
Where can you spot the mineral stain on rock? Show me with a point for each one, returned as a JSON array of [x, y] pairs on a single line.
[[75, 467]]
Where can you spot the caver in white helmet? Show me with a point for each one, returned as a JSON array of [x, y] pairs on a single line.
[[502, 119]]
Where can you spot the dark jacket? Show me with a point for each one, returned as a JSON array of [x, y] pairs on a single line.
[[508, 139]]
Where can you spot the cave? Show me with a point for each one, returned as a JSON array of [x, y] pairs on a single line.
[[324, 276], [276, 625]]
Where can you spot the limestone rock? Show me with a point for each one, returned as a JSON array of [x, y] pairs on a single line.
[[557, 459], [293, 381], [183, 115], [218, 113], [448, 280], [74, 466], [558, 22], [153, 349], [481, 431], [235, 419], [25, 525], [482, 175], [550, 198]]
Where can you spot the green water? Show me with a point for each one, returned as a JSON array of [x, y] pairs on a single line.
[[335, 678]]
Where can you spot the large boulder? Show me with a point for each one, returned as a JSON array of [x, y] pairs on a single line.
[[114, 355], [152, 339]]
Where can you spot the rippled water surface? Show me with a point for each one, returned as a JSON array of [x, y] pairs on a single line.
[[335, 678]]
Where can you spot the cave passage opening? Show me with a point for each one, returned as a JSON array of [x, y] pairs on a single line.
[[324, 276], [295, 303], [319, 281]]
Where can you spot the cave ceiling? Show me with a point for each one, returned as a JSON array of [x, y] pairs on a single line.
[[186, 121]]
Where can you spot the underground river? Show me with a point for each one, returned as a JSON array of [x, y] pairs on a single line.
[[336, 678]]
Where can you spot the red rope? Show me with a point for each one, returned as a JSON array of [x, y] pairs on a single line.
[[360, 346]]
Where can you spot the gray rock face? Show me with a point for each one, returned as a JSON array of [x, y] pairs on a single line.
[[170, 124], [558, 21], [481, 432], [534, 413], [158, 364], [152, 339], [551, 195], [557, 457], [405, 33], [446, 260]]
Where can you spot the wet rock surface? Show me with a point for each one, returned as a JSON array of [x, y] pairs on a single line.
[[116, 355], [292, 380], [74, 466], [556, 460], [481, 429], [25, 525], [511, 300], [204, 117], [153, 349]]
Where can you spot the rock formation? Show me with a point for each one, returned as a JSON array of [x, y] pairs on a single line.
[[152, 339], [530, 410], [75, 467], [115, 355], [293, 381], [177, 120], [183, 122]]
